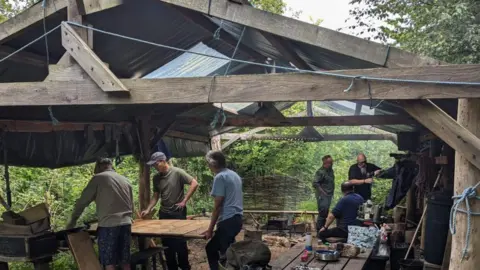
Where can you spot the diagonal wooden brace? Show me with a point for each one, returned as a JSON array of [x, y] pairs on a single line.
[[89, 61], [446, 128]]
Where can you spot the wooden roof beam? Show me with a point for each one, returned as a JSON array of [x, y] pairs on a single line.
[[334, 41], [446, 128], [89, 61], [30, 16], [250, 88], [306, 121], [326, 137]]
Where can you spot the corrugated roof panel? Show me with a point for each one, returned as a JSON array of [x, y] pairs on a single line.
[[190, 65]]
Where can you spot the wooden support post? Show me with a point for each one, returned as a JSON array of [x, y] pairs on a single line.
[[144, 180], [75, 12], [411, 205], [466, 175], [144, 177], [423, 230]]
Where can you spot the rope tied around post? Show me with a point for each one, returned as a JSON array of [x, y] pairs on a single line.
[[467, 194]]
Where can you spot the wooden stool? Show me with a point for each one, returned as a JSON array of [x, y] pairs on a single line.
[[336, 240], [140, 257]]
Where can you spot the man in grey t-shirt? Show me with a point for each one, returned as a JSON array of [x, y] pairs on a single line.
[[228, 209]]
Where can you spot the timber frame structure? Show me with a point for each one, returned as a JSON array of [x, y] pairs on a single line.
[[94, 98]]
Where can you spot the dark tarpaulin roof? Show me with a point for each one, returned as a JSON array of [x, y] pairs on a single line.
[[156, 22]]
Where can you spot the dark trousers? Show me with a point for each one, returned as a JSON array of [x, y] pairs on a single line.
[[333, 232], [223, 237], [323, 204], [177, 251]]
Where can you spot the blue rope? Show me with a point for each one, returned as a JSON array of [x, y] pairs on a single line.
[[52, 117], [467, 194]]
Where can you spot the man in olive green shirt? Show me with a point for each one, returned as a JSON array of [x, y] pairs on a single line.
[[168, 185], [113, 197], [324, 185]]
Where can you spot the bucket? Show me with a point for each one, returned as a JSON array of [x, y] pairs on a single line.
[[397, 254], [436, 227], [411, 264]]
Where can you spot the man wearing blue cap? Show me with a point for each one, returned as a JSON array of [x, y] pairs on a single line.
[[168, 185]]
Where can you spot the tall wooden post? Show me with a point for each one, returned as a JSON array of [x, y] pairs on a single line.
[[466, 175], [144, 179]]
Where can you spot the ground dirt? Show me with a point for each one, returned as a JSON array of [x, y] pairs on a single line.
[[198, 257]]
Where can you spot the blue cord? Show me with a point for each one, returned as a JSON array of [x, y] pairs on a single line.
[[467, 194], [52, 117]]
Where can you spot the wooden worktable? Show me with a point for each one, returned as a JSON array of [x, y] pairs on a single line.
[[280, 212], [191, 229], [291, 258]]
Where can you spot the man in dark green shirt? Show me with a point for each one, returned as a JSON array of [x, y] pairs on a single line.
[[168, 186], [324, 185]]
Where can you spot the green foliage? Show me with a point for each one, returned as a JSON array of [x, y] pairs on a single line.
[[274, 6], [8, 8], [448, 30]]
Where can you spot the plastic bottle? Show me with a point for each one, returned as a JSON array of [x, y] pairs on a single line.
[[308, 243]]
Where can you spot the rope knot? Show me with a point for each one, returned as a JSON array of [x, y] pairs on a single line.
[[353, 82], [467, 194]]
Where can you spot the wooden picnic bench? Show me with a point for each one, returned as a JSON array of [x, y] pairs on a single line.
[[291, 258]]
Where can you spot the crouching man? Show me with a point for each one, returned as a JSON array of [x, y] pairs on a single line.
[[345, 212], [113, 197], [227, 210]]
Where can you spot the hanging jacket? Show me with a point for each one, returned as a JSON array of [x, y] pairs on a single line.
[[403, 173]]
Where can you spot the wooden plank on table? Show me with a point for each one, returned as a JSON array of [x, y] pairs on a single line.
[[298, 261], [317, 264], [197, 233], [355, 264], [170, 227], [358, 262], [82, 249], [338, 265], [364, 255], [287, 257]]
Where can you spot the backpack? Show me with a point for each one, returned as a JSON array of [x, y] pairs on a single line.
[[248, 254]]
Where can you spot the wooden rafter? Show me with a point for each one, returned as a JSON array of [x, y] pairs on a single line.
[[446, 128], [334, 41], [186, 136], [243, 121], [30, 16], [326, 137], [89, 61], [47, 126], [250, 88]]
